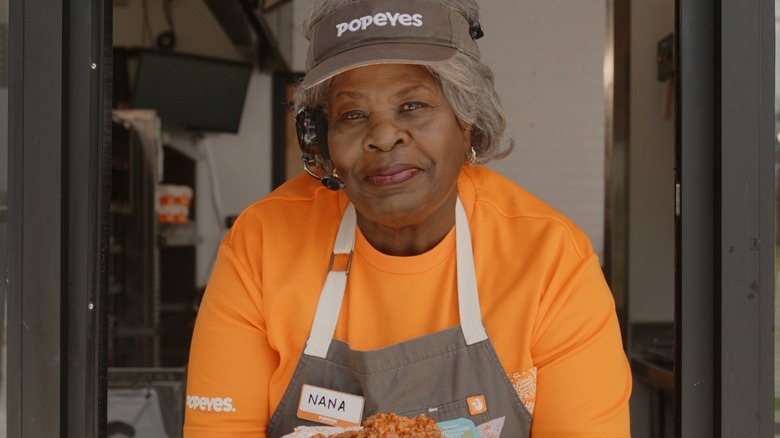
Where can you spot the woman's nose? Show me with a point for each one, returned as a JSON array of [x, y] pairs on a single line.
[[385, 133]]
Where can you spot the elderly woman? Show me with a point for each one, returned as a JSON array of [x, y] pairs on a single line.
[[412, 280]]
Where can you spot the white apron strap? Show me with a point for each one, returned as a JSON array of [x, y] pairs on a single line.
[[468, 297], [332, 294]]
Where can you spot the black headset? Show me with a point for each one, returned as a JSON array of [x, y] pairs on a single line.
[[311, 125]]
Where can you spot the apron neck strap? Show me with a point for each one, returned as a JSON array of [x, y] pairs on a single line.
[[468, 295], [332, 295]]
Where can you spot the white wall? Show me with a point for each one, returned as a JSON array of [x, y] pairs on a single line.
[[651, 169]]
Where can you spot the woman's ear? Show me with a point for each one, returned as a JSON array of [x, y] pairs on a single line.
[[466, 132]]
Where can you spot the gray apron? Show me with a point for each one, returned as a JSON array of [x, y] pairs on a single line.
[[433, 374]]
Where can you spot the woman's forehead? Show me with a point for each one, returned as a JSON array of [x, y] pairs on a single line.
[[392, 78]]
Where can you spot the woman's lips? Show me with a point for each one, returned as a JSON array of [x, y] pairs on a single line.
[[391, 175]]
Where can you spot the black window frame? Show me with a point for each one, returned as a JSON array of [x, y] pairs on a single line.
[[59, 65], [724, 300]]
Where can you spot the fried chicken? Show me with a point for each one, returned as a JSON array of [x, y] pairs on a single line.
[[392, 426]]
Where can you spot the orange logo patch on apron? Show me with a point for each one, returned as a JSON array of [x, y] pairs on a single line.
[[476, 404]]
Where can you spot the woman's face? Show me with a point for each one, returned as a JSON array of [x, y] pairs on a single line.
[[395, 143]]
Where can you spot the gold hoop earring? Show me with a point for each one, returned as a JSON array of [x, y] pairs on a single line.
[[471, 156]]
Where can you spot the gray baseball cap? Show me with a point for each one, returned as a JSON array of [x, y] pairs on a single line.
[[385, 31]]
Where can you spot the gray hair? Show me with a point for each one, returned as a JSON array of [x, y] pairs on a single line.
[[467, 84]]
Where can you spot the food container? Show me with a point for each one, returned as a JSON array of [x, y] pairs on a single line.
[[173, 203]]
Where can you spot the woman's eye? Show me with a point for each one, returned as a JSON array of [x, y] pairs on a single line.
[[411, 106], [351, 116]]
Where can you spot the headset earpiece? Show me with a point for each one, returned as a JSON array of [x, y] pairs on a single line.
[[321, 128], [311, 126]]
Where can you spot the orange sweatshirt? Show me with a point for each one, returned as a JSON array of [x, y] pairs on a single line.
[[544, 302]]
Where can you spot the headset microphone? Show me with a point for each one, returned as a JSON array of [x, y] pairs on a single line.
[[312, 129], [332, 182]]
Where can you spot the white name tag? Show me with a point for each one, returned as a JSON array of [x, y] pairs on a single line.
[[330, 407]]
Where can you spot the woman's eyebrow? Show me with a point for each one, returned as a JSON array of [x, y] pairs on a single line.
[[400, 94], [411, 89], [349, 94]]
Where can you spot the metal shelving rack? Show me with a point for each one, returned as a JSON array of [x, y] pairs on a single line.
[[152, 266]]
